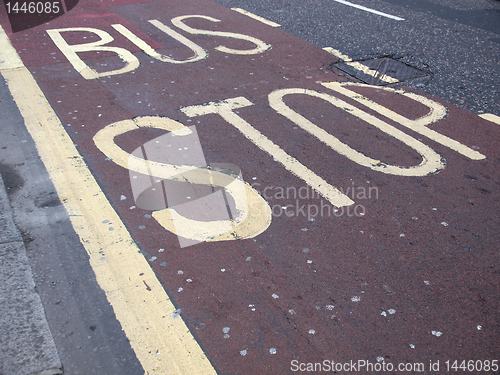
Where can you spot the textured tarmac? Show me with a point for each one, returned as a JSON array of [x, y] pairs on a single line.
[[411, 277]]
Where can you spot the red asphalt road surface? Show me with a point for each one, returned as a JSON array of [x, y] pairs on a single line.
[[413, 280]]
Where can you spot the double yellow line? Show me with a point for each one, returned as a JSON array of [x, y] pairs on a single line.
[[161, 340]]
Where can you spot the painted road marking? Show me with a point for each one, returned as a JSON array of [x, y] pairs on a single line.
[[256, 17], [225, 108], [252, 214], [370, 10], [9, 59], [360, 66], [490, 117], [131, 61], [70, 51], [160, 339], [222, 279], [260, 45], [337, 53], [431, 161], [436, 113], [199, 53]]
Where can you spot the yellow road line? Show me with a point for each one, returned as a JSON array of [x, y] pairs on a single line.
[[337, 53], [9, 59], [490, 117], [359, 66], [163, 344]]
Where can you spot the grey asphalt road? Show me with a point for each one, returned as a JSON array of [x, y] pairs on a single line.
[[456, 41]]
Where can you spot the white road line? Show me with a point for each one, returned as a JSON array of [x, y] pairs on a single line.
[[370, 10], [256, 17]]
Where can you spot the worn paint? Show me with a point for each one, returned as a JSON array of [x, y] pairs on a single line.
[[260, 45], [360, 66], [431, 161], [253, 212], [225, 108], [436, 113]]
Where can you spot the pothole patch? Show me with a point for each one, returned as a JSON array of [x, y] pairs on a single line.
[[382, 71]]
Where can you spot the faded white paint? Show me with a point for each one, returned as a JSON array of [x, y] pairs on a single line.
[[370, 10], [198, 52], [260, 45]]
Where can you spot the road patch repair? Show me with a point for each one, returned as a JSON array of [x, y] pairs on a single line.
[[383, 71], [246, 208]]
